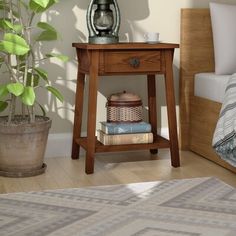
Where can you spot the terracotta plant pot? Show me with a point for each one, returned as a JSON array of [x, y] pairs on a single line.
[[22, 147]]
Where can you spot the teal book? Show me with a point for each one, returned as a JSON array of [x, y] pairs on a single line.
[[125, 128]]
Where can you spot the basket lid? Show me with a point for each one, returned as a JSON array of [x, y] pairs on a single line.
[[124, 97]]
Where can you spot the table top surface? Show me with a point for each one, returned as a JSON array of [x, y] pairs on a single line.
[[128, 46]]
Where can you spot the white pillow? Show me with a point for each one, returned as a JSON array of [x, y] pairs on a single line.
[[223, 19]]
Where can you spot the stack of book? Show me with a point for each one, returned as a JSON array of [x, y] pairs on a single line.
[[125, 133]]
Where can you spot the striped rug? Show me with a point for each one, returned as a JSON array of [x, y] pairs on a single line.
[[188, 207]]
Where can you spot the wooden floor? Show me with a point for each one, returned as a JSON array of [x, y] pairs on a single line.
[[117, 168]]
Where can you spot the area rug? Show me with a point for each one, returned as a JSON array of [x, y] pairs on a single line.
[[189, 207]]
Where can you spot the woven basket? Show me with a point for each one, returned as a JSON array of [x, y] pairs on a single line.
[[124, 107]]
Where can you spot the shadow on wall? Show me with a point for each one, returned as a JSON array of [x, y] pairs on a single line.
[[69, 18], [60, 73], [130, 31]]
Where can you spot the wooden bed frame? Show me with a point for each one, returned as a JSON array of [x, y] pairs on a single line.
[[198, 116]]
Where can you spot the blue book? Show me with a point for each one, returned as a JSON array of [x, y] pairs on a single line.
[[125, 128]]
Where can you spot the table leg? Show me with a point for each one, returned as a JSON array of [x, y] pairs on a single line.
[[92, 110], [78, 114], [170, 101], [152, 110]]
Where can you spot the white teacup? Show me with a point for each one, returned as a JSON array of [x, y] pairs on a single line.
[[151, 37]]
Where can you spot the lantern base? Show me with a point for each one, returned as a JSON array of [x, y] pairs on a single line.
[[103, 39]]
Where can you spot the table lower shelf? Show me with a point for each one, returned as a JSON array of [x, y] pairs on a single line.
[[159, 142]]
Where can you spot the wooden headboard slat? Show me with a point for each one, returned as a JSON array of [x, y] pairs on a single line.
[[196, 55]]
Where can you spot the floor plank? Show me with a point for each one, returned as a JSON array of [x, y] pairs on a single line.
[[117, 168]]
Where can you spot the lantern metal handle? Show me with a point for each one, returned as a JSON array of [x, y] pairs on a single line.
[[117, 17], [92, 31]]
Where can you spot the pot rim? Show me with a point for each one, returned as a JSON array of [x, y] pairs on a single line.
[[38, 126]]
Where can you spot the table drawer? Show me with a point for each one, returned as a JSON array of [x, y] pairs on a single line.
[[132, 61]]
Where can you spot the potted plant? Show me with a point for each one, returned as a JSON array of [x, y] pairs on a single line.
[[23, 134]]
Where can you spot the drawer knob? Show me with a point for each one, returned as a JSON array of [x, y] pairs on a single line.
[[134, 62]]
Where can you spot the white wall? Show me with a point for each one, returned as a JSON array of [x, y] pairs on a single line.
[[138, 16]]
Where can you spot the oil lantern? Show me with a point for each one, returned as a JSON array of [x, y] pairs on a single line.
[[103, 21]]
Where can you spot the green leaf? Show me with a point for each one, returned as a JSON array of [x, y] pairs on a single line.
[[55, 92], [36, 7], [14, 44], [17, 28], [2, 47], [20, 67], [15, 88], [22, 57], [45, 26], [1, 60], [28, 96], [42, 73], [47, 36], [6, 24], [49, 32], [3, 91], [59, 56], [42, 3], [3, 106], [31, 77], [42, 109]]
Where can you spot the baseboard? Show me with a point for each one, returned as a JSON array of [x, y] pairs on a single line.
[[59, 145]]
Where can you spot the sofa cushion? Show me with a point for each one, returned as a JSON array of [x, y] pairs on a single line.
[[223, 18]]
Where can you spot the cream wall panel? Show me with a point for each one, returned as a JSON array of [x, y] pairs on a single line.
[[138, 17]]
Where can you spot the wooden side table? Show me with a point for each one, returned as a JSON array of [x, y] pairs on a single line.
[[123, 59]]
